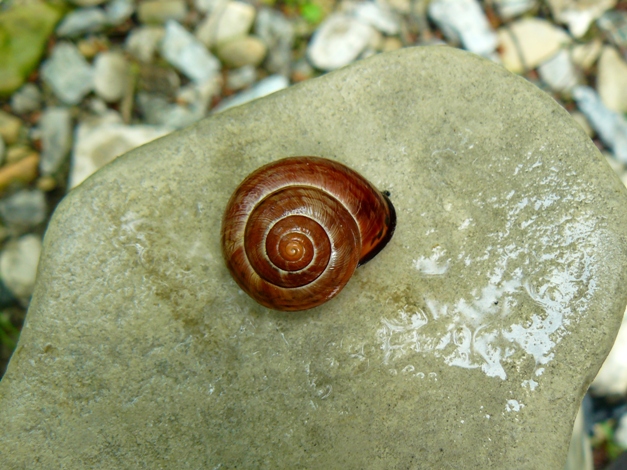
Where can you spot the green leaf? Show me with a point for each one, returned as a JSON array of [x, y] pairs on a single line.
[[312, 13]]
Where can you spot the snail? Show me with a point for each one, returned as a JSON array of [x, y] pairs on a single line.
[[296, 229]]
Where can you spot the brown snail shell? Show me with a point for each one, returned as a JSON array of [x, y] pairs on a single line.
[[296, 229]]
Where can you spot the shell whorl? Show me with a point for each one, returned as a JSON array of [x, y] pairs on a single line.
[[295, 230]]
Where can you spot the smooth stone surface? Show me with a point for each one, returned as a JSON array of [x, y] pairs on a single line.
[[612, 378], [467, 343], [100, 140]]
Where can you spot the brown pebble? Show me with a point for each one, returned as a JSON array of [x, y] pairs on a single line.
[[46, 183], [24, 170]]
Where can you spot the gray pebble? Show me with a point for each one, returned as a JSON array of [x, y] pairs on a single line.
[[277, 32], [142, 42], [159, 111], [614, 22], [27, 99], [241, 77], [264, 87], [609, 125], [56, 137], [25, 209], [68, 73], [81, 21], [118, 11], [181, 49], [559, 72]]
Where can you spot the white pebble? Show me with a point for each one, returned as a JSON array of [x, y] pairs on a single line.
[[338, 41]]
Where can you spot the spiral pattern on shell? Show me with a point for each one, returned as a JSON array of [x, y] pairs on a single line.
[[296, 229]]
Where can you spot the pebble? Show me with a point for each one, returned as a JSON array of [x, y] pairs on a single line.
[[528, 42], [26, 100], [160, 11], [612, 378], [464, 21], [68, 73], [262, 88], [15, 153], [612, 80], [118, 11], [10, 127], [241, 78], [379, 16], [614, 23], [181, 49], [577, 14], [156, 79], [277, 33], [23, 170], [338, 41], [111, 76], [559, 72], [241, 51], [159, 111], [143, 41], [231, 20], [609, 125], [301, 71], [208, 6], [508, 9], [100, 140], [24, 209], [56, 138], [18, 265], [585, 55], [82, 21], [620, 435]]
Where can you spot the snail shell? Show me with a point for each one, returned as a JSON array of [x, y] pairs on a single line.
[[296, 229]]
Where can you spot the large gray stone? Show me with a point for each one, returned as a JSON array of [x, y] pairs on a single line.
[[467, 343]]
